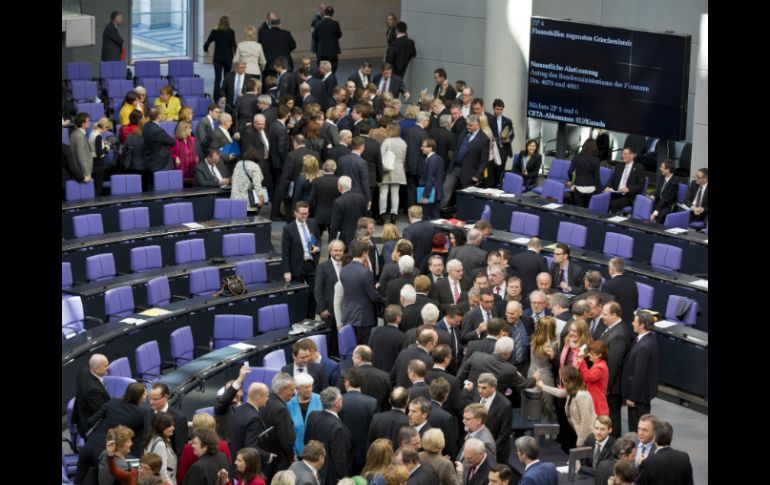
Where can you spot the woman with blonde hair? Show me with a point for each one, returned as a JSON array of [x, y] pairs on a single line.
[[579, 335], [199, 421], [544, 347], [183, 153], [393, 150], [169, 104], [378, 458], [580, 405], [284, 477], [494, 154], [389, 236], [410, 117], [432, 444], [396, 475], [250, 51], [303, 184], [224, 38]]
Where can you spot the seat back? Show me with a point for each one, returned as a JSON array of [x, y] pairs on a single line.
[[553, 189], [118, 88], [231, 329], [273, 317], [153, 88], [513, 183], [681, 193], [252, 271], [189, 86], [178, 213], [182, 345], [112, 70], [94, 110], [169, 127], [158, 291], [240, 244], [208, 410], [116, 385], [204, 281], [677, 219], [72, 315], [646, 292], [525, 224], [226, 209], [666, 256], [146, 69], [180, 68], [126, 184], [79, 71], [605, 174], [200, 106], [486, 213], [66, 275], [148, 361], [258, 374], [84, 91], [120, 367], [320, 342], [118, 302], [189, 251], [619, 245], [600, 203], [146, 257], [346, 340], [275, 359], [168, 179], [558, 172], [642, 208], [682, 309], [133, 218], [572, 234], [74, 190], [100, 267]]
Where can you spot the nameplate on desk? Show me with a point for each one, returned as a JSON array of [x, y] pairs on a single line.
[[552, 206], [676, 230], [243, 346], [617, 219], [133, 321], [520, 240], [69, 336], [508, 196], [563, 469], [154, 312], [472, 190], [665, 324], [701, 283], [193, 225]]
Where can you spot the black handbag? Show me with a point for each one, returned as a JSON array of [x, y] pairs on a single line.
[[252, 193], [232, 286]]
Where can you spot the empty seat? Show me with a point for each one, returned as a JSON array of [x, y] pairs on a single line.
[[646, 292], [600, 203], [253, 271], [259, 374], [116, 385], [168, 179], [146, 257], [66, 275], [605, 174], [182, 345], [158, 291], [178, 213], [642, 208], [225, 209], [677, 219], [200, 106], [682, 309], [148, 364], [94, 110], [681, 193], [559, 170], [72, 316], [65, 137], [112, 70], [513, 183], [134, 218], [275, 359], [76, 191], [273, 317], [207, 410], [525, 224], [189, 86], [204, 281], [126, 184], [180, 68], [169, 127], [118, 302], [100, 267], [486, 213], [320, 342], [619, 245], [231, 329], [346, 339], [572, 234], [666, 256], [120, 367], [240, 244], [84, 91], [117, 89], [553, 189], [79, 71], [189, 251], [144, 70]]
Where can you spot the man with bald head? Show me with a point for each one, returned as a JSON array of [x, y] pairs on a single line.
[[376, 381], [246, 422], [528, 264], [255, 136], [342, 149], [90, 393], [388, 423]]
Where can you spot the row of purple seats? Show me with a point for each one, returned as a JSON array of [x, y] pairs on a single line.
[[125, 184]]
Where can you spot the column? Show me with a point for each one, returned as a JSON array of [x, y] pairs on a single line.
[[700, 132]]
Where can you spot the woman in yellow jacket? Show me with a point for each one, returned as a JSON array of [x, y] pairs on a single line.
[[169, 104]]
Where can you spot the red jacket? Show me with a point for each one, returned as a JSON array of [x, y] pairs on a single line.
[[596, 379]]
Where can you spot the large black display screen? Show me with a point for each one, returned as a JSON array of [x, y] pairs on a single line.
[[617, 79]]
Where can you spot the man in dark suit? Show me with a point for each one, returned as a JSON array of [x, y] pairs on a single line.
[[623, 288], [159, 393], [361, 298], [387, 81], [498, 364], [387, 424], [357, 412], [477, 462], [665, 465], [445, 141], [343, 148], [475, 322], [373, 158], [112, 42], [419, 473], [502, 129], [449, 291], [471, 159], [329, 81], [432, 179], [499, 413], [411, 317], [459, 124], [292, 169], [601, 441], [617, 340], [323, 193], [528, 264], [157, 144], [327, 35], [535, 471], [566, 276], [286, 82], [327, 276], [664, 199], [592, 283], [300, 250], [90, 394], [245, 108], [470, 253], [307, 466], [327, 427], [393, 290], [212, 173], [277, 43], [698, 196], [442, 419], [302, 353], [453, 319], [376, 382], [593, 316], [363, 76], [627, 181], [419, 232], [280, 440], [234, 85], [401, 51], [639, 381], [414, 165], [486, 343], [278, 136], [387, 339], [416, 373], [444, 89], [355, 167], [452, 402], [246, 424], [427, 339], [230, 400]]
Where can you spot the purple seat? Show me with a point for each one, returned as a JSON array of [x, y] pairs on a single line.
[[600, 203], [513, 183], [666, 256], [153, 89], [118, 303], [226, 209], [525, 224], [76, 441], [698, 225], [241, 244], [148, 364], [681, 193], [116, 385], [180, 68], [84, 91], [642, 208], [258, 374], [66, 275], [677, 219], [178, 213], [133, 218], [320, 342], [209, 410], [346, 340], [168, 179], [204, 281], [252, 271], [94, 110], [682, 309], [80, 71], [231, 329], [76, 191], [605, 174], [182, 345], [88, 225], [572, 234], [116, 104], [558, 171], [169, 127], [72, 316], [126, 184], [189, 86], [158, 291], [275, 359], [200, 107], [486, 213], [548, 260], [619, 245], [144, 70], [117, 89], [189, 251], [646, 292], [65, 137], [553, 189], [112, 70], [146, 257], [120, 367], [100, 267], [273, 317]]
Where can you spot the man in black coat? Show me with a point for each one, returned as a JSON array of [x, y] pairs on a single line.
[[230, 400], [327, 35], [617, 339], [698, 196], [566, 275], [623, 288], [112, 42], [414, 165], [475, 322], [419, 232], [401, 51], [231, 81], [387, 81], [245, 109], [388, 423], [639, 381], [292, 169], [357, 412], [361, 297], [665, 464], [386, 340], [212, 171], [286, 82], [627, 181], [426, 341], [419, 473], [499, 413], [441, 418], [280, 440], [90, 393], [459, 124], [442, 356], [666, 192], [354, 166], [323, 193], [301, 353], [343, 148], [497, 364], [300, 250], [373, 158], [376, 382], [159, 393], [327, 427], [246, 424], [157, 144], [327, 276], [394, 286], [278, 137], [601, 441], [277, 43], [346, 210], [502, 128], [450, 290], [445, 141], [470, 160], [470, 254]]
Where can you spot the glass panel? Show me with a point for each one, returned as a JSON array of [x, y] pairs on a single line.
[[159, 29], [70, 8]]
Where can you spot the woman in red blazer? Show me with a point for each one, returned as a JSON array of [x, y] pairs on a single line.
[[597, 376]]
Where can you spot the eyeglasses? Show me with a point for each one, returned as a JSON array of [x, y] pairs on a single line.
[[559, 254]]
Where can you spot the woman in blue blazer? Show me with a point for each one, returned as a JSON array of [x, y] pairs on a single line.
[[300, 407]]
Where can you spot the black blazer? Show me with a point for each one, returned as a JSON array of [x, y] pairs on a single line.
[[481, 477], [223, 412], [243, 113], [415, 161], [205, 178], [575, 276], [386, 425], [419, 389], [355, 167], [432, 177], [326, 278], [635, 181], [442, 292], [346, 210], [400, 52], [356, 78], [113, 413], [90, 396], [526, 265], [472, 320], [225, 45], [327, 35], [278, 137], [228, 86], [440, 418], [533, 168], [395, 85], [640, 370], [280, 440], [385, 342], [503, 145], [586, 170], [112, 43], [499, 423], [459, 130], [453, 404], [666, 465], [376, 384], [424, 474], [245, 427], [316, 371], [589, 467], [157, 147], [361, 299], [411, 316], [626, 293], [398, 373], [445, 143], [357, 412], [205, 469], [287, 85], [393, 291], [323, 193], [373, 158], [293, 168], [337, 152], [472, 257], [420, 233], [473, 159], [317, 91], [616, 339], [179, 437], [692, 193], [665, 198], [332, 432], [276, 43]]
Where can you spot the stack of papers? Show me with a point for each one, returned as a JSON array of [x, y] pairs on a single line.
[[617, 219], [193, 225], [665, 324], [243, 346], [552, 206], [676, 230], [701, 283], [521, 240], [133, 321], [154, 312]]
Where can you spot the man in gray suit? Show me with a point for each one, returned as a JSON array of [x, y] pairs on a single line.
[[327, 275], [205, 130], [470, 254], [79, 145], [355, 167], [474, 419], [313, 458], [498, 364]]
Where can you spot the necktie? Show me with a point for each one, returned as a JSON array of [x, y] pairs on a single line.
[[593, 325], [238, 84], [265, 143], [472, 473], [643, 454], [300, 369], [456, 291], [497, 290], [454, 337], [307, 238], [597, 452], [517, 347], [385, 85], [483, 401], [489, 316], [561, 275], [536, 318], [624, 178], [215, 173], [698, 197]]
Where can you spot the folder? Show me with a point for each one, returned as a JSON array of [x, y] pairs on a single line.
[[431, 197]]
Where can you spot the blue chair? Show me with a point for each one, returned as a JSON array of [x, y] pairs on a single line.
[[79, 71], [677, 219], [146, 257], [168, 179], [112, 70], [183, 346], [100, 267], [178, 68], [66, 275], [572, 234], [208, 410], [189, 87], [116, 89], [94, 110], [76, 191], [681, 193], [146, 70], [253, 271], [525, 224], [273, 317], [231, 329], [600, 203], [158, 291], [258, 374], [642, 209], [148, 363], [486, 213], [513, 183], [189, 251], [84, 91], [275, 359], [682, 309], [72, 316], [320, 342], [241, 244], [646, 292], [605, 174], [169, 127], [557, 173], [118, 303], [666, 257], [65, 137], [346, 340], [619, 245], [553, 189], [116, 385], [126, 184], [178, 213], [204, 281], [133, 218], [119, 367], [153, 89], [226, 209]]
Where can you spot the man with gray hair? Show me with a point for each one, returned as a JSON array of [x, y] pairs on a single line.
[[329, 81], [90, 393], [508, 377], [406, 270], [440, 131], [449, 291], [346, 210], [327, 427], [470, 160], [266, 108], [275, 414], [559, 305], [470, 253], [354, 166], [414, 165], [499, 413], [342, 148], [535, 471], [476, 462]]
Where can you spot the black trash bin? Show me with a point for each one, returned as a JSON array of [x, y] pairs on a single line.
[[532, 404]]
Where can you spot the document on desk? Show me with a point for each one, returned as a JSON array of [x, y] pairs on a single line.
[[617, 219], [701, 283], [507, 196], [665, 324], [154, 312], [133, 321], [552, 206], [676, 230], [243, 346], [521, 240], [193, 225], [564, 470]]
